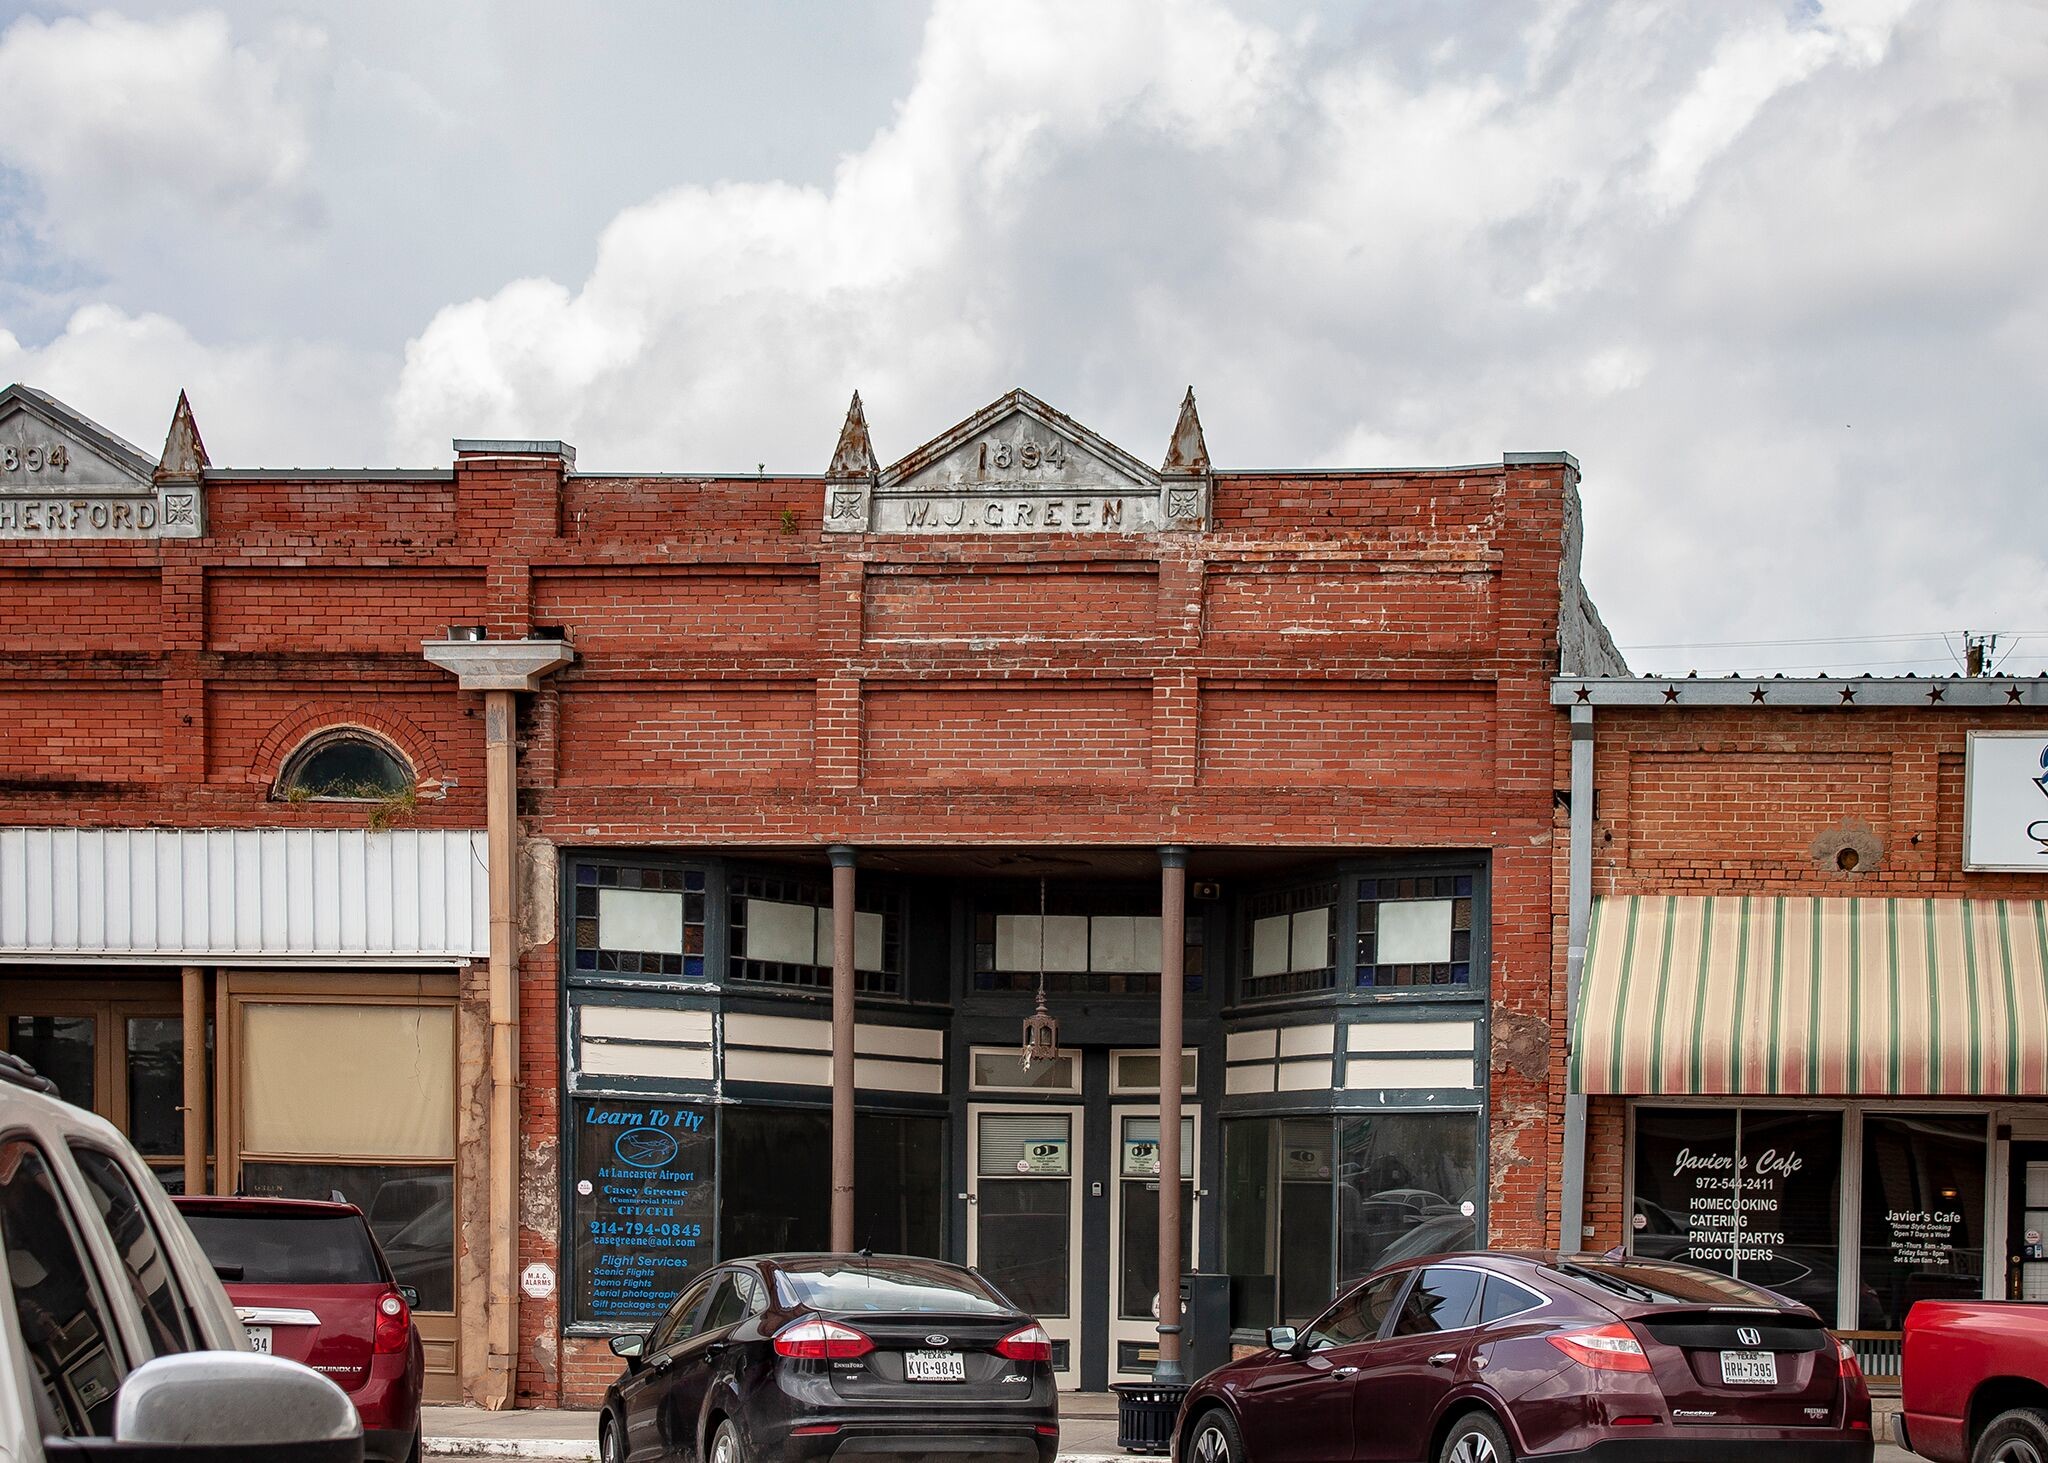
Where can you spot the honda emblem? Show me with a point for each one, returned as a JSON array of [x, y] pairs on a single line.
[[1749, 1335]]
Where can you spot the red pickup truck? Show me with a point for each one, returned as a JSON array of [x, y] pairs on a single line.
[[1975, 1381]]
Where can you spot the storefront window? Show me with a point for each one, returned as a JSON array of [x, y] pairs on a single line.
[[1102, 940], [1415, 931], [1752, 1193], [1291, 944], [775, 1185], [1923, 1213], [1407, 1185], [1310, 1204]]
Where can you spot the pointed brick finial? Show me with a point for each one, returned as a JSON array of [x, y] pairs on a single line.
[[184, 454], [1187, 452], [854, 457]]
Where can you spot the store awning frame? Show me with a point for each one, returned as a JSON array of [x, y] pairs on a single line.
[[1746, 994]]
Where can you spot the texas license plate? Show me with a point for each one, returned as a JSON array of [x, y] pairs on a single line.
[[259, 1340], [1749, 1368], [935, 1366]]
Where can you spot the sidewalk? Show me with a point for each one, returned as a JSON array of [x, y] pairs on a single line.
[[1087, 1433]]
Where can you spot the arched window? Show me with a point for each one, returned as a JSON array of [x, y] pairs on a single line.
[[346, 763]]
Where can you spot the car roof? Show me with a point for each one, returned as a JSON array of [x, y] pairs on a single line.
[[224, 1204]]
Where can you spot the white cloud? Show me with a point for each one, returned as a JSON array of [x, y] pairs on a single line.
[[120, 121], [262, 404]]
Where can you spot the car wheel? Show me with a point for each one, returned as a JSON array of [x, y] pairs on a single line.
[[1477, 1438], [2018, 1436], [725, 1445], [1215, 1439], [609, 1446]]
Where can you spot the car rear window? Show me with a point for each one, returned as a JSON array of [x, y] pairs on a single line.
[[892, 1288], [1652, 1283], [270, 1248]]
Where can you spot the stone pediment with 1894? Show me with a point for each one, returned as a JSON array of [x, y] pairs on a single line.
[[1016, 466], [63, 476]]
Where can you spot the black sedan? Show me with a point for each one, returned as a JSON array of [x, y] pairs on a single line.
[[808, 1356]]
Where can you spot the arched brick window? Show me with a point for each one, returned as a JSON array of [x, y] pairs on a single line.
[[346, 763]]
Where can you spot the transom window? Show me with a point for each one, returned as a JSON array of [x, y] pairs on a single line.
[[1085, 941], [1415, 930], [782, 931], [1291, 947], [640, 921], [347, 763]]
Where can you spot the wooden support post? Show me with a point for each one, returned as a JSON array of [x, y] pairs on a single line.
[[193, 1008], [842, 1047]]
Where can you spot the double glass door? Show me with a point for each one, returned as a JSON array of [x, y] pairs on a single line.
[[1032, 1188], [118, 1052]]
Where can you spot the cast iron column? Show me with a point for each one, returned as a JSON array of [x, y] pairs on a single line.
[[1173, 942], [842, 1047], [193, 1007]]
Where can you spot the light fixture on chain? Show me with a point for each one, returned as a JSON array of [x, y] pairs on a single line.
[[1041, 1028]]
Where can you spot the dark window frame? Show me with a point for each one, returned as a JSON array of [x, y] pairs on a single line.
[[286, 789]]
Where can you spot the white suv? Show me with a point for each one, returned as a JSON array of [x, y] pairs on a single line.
[[116, 1338]]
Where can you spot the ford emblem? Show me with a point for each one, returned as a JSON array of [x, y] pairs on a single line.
[[1748, 1335], [936, 1340]]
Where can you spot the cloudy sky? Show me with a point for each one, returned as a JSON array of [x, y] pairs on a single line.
[[1772, 269]]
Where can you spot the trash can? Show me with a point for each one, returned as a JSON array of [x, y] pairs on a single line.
[[1144, 1415]]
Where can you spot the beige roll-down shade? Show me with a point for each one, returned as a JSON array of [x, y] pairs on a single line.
[[354, 1081]]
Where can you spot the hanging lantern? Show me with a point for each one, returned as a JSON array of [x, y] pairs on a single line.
[[1041, 1028]]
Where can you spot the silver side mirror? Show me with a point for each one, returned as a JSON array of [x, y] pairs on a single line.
[[1282, 1339], [203, 1400]]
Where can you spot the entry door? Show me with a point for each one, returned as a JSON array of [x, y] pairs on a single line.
[[120, 1054], [2026, 1230], [1134, 1233], [1024, 1230]]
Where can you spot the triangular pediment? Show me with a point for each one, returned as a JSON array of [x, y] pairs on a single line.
[[1018, 442], [46, 447]]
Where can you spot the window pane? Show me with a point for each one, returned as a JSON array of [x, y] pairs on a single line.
[[1397, 1173], [1504, 1299], [1024, 1241], [1001, 1070], [1923, 1214], [141, 1251], [73, 1368], [347, 767], [1307, 1241], [411, 1209], [61, 1048], [156, 1084], [349, 1081], [1790, 1236], [1442, 1300], [897, 1287], [1138, 1246], [1685, 1186], [1250, 1197], [1360, 1317], [777, 1190]]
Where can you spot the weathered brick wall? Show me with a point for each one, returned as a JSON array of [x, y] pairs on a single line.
[[1347, 660]]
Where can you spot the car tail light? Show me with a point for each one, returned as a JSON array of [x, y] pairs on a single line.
[[394, 1324], [1846, 1355], [1028, 1343], [816, 1340], [1603, 1348]]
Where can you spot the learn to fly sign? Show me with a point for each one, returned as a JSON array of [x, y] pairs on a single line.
[[2005, 802]]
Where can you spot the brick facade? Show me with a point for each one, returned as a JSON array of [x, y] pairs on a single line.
[[1342, 660]]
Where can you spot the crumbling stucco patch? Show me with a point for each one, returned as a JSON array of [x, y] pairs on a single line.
[[539, 1205], [539, 875], [1521, 1044]]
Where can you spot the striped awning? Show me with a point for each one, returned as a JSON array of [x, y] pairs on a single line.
[[1753, 994]]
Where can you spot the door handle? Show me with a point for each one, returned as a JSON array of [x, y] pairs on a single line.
[[1443, 1358], [1345, 1371]]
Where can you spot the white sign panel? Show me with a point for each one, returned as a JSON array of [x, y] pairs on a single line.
[[2005, 802]]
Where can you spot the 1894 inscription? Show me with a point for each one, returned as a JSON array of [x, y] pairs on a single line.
[[34, 458]]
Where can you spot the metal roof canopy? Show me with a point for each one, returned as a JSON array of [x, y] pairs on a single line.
[[1844, 693]]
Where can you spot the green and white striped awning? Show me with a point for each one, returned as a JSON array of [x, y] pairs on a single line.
[[1754, 994]]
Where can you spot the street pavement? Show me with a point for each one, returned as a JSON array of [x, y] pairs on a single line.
[[1087, 1434]]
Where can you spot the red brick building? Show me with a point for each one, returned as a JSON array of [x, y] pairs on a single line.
[[987, 709], [1812, 1039]]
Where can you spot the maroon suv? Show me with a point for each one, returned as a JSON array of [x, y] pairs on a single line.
[[310, 1284], [1488, 1358]]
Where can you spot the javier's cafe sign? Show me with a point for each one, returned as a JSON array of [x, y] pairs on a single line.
[[2005, 802]]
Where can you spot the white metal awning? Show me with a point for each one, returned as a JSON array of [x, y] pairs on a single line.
[[244, 896]]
